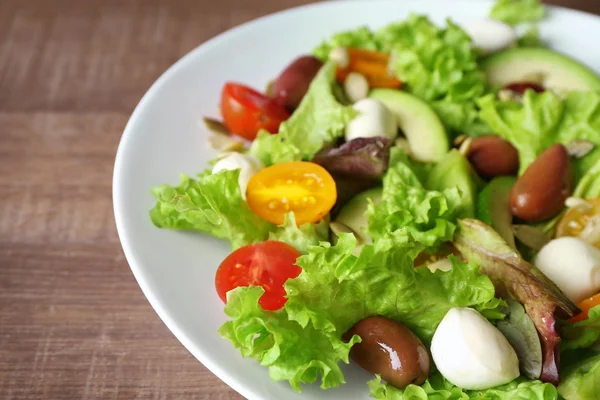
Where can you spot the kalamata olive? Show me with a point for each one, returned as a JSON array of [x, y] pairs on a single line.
[[291, 86], [521, 87], [493, 156], [390, 349], [541, 191]]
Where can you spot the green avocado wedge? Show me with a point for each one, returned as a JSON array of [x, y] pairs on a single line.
[[532, 64], [454, 170], [493, 207], [352, 215], [422, 127]]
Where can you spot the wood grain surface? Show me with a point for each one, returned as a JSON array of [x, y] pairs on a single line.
[[73, 321]]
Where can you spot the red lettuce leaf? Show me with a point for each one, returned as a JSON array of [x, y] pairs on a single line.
[[515, 278], [356, 165]]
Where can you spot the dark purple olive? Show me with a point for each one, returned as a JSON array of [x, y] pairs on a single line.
[[492, 156], [541, 191], [291, 86], [391, 350]]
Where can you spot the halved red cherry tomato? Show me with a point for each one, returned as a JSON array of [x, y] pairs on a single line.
[[373, 65], [246, 111], [267, 264], [585, 307], [305, 188]]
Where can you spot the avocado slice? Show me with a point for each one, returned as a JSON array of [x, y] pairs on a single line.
[[353, 215], [422, 127], [493, 207], [531, 64], [454, 170]]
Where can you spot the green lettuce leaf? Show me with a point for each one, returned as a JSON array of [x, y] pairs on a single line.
[[211, 203], [589, 185], [438, 65], [361, 38], [438, 388], [291, 352], [319, 120], [336, 289], [581, 380], [460, 116], [435, 63], [522, 335], [274, 149], [582, 334], [544, 119], [407, 207], [515, 12], [531, 38], [301, 237]]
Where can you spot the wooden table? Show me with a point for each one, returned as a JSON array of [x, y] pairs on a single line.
[[73, 322]]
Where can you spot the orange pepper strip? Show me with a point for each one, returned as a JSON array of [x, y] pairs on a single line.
[[368, 55], [389, 83], [373, 65], [585, 307]]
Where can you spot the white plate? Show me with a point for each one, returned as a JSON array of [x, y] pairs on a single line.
[[163, 138]]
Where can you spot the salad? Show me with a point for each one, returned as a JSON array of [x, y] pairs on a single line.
[[422, 201]]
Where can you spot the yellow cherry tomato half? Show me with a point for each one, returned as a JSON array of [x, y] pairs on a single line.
[[305, 188], [585, 307], [580, 220]]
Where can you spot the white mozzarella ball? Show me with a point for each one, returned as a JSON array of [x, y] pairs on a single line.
[[491, 35], [573, 265], [373, 119], [471, 352], [247, 165]]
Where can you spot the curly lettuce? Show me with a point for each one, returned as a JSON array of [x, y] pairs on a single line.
[[438, 388], [438, 65], [458, 116], [588, 186], [408, 208], [531, 38], [319, 120], [298, 354], [336, 289], [301, 237], [212, 204], [435, 63], [515, 12], [361, 38]]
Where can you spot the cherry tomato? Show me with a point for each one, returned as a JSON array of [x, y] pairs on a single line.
[[579, 220], [246, 111], [267, 264], [585, 307], [305, 188], [521, 87]]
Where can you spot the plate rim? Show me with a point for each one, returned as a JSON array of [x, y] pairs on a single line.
[[128, 131]]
